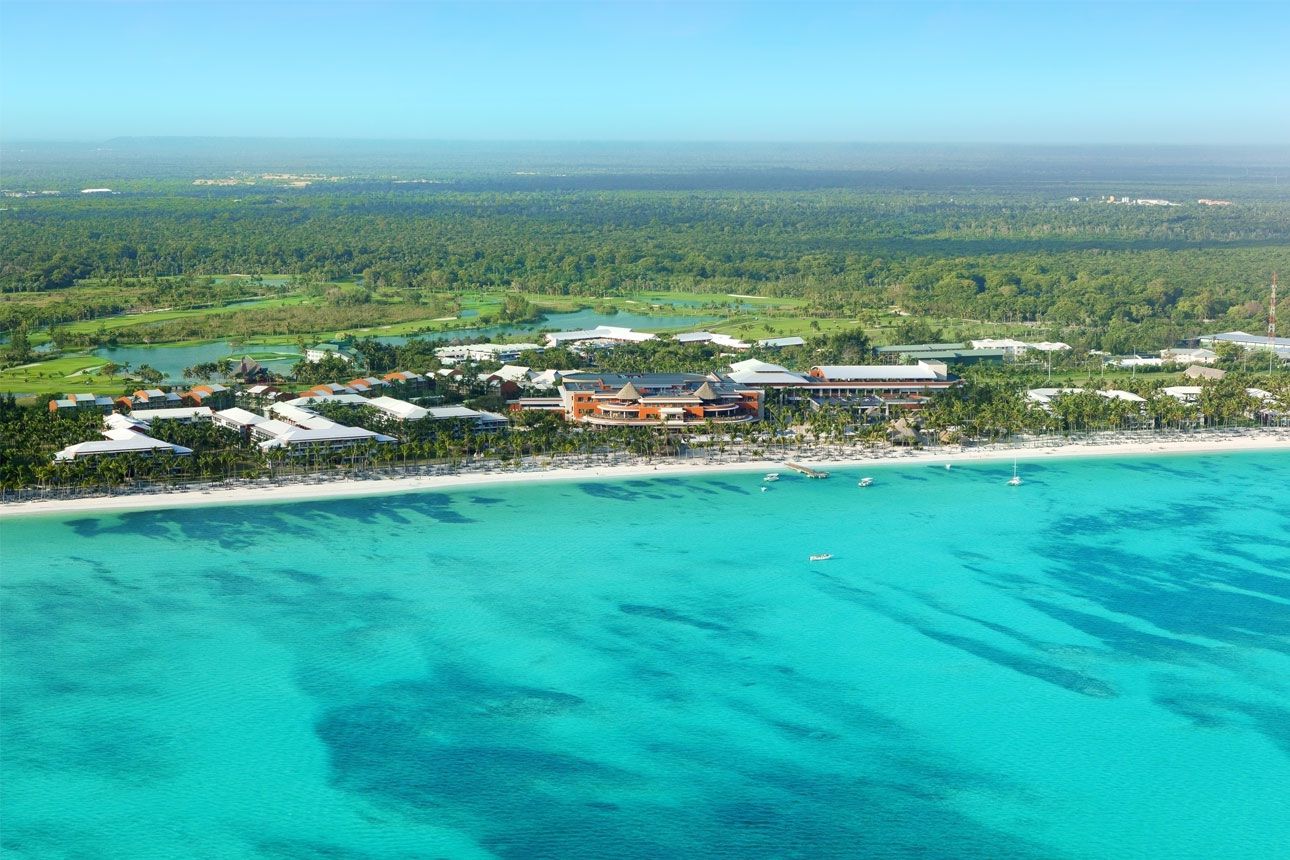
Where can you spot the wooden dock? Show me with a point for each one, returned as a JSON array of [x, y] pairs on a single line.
[[807, 470]]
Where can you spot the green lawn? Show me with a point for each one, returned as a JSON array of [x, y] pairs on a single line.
[[129, 320], [62, 374]]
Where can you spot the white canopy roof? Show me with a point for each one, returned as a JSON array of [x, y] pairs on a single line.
[[875, 372]]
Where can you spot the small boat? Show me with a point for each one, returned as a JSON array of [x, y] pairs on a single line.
[[765, 489], [865, 482], [1015, 480], [824, 556], [771, 476], [948, 466]]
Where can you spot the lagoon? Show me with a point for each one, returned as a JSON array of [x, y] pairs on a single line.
[[1092, 665], [171, 360]]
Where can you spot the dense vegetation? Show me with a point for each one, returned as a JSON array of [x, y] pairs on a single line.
[[1116, 277]]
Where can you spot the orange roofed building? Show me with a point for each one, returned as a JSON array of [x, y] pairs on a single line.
[[656, 400]]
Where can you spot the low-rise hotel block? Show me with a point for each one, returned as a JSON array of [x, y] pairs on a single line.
[[214, 395], [78, 402], [600, 337], [503, 352], [656, 399]]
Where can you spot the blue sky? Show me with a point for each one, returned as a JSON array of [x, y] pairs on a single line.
[[1132, 72]]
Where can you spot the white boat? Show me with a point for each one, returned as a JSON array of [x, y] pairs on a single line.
[[771, 476], [765, 489], [824, 556], [1015, 480], [865, 482]]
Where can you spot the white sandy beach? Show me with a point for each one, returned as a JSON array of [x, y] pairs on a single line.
[[1267, 440]]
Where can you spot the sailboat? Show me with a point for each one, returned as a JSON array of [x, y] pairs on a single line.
[[1015, 480]]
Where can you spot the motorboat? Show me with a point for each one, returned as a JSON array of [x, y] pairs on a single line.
[[865, 482], [824, 556], [771, 476]]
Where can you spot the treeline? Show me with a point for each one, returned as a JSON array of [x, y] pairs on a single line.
[[1083, 264]]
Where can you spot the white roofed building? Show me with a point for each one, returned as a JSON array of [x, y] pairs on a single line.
[[184, 415], [120, 441], [1009, 345], [722, 340], [1185, 393], [1281, 345], [1200, 355], [600, 336], [503, 352], [1126, 396], [236, 418], [761, 373], [1045, 396]]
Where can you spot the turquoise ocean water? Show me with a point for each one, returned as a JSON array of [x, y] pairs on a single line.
[[1093, 665]]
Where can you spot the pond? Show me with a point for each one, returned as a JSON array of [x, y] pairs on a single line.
[[171, 360]]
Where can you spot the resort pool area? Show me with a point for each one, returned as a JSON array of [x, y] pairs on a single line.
[[1095, 664]]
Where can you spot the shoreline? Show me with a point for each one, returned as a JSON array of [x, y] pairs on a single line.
[[359, 488]]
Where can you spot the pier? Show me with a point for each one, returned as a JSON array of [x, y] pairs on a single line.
[[807, 470]]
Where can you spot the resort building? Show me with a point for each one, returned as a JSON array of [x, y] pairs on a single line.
[[236, 418], [154, 398], [297, 411], [1045, 396], [657, 400], [948, 353], [1185, 393], [367, 385], [261, 396], [503, 352], [300, 430], [406, 382], [548, 378], [721, 340], [1011, 347], [183, 414], [870, 389], [213, 395], [765, 375], [781, 342], [506, 373], [1126, 396], [1199, 355], [318, 352], [328, 389], [1198, 372], [1137, 361], [877, 388], [1281, 345], [78, 402], [600, 337], [483, 421], [120, 439], [301, 440], [1017, 348], [119, 421]]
